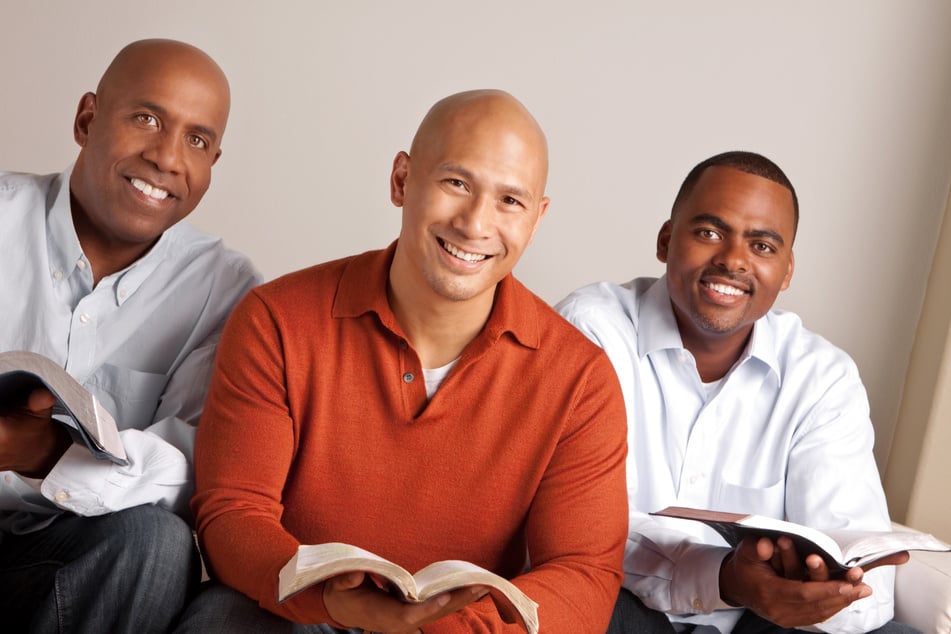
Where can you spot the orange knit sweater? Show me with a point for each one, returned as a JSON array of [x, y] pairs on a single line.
[[317, 428]]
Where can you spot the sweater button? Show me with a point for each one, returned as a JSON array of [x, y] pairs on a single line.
[[408, 377]]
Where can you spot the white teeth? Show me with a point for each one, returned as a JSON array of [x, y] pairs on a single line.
[[152, 192], [462, 255], [726, 290]]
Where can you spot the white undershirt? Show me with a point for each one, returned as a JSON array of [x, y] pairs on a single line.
[[435, 377]]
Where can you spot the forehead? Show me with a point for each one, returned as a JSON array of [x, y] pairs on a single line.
[[740, 198], [190, 93], [493, 147]]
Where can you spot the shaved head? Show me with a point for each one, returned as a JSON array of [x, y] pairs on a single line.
[[143, 55], [466, 113]]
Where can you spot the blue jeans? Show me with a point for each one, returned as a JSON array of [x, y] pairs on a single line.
[[633, 617], [130, 571], [751, 623], [218, 608]]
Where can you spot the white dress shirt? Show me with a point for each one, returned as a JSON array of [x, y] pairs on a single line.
[[143, 341], [786, 433]]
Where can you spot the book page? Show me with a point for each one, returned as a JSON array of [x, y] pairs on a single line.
[[863, 547], [443, 576], [314, 563]]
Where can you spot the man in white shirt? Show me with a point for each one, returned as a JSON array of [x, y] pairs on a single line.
[[736, 407], [97, 273]]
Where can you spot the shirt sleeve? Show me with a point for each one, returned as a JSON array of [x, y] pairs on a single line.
[[159, 456]]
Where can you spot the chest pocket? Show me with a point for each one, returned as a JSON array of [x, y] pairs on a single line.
[[130, 396]]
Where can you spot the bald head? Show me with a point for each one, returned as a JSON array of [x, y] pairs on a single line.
[[476, 112], [145, 56]]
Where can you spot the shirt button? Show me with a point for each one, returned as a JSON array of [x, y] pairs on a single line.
[[81, 264], [61, 496], [84, 318], [408, 377], [58, 275], [122, 294]]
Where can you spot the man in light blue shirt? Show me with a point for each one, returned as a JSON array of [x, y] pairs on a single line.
[[98, 273], [734, 406]]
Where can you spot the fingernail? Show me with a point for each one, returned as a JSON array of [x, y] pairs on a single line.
[[442, 600]]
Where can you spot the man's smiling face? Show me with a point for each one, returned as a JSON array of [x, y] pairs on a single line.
[[472, 195], [728, 250], [149, 138]]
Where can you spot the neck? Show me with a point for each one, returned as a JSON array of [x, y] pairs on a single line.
[[716, 354], [105, 256], [438, 329]]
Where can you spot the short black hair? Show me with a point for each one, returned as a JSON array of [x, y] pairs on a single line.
[[749, 162]]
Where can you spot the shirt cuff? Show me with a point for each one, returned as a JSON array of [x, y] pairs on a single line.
[[696, 580]]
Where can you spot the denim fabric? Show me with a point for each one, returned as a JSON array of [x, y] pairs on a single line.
[[751, 623], [130, 571], [633, 617], [218, 608]]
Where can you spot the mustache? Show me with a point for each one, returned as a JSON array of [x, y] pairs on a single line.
[[745, 280]]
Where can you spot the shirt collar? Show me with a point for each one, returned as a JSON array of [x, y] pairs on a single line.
[[363, 288], [62, 242], [658, 329], [66, 256]]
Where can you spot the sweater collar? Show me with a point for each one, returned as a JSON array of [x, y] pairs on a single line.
[[363, 289]]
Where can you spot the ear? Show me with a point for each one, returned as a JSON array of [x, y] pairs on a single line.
[[398, 178], [789, 271], [85, 113], [663, 241], [542, 210], [217, 156]]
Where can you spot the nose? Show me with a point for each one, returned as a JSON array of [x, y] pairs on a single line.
[[165, 152], [475, 218], [733, 256]]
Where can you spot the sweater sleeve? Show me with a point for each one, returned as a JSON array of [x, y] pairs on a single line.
[[243, 453]]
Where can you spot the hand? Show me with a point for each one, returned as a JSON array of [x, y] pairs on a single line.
[[749, 577], [354, 601], [30, 442]]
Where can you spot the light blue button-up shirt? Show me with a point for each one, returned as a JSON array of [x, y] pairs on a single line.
[[786, 434], [143, 341]]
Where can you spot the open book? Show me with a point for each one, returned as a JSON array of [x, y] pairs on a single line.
[[841, 549], [314, 563], [88, 421]]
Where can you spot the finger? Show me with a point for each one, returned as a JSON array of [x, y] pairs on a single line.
[[818, 570], [346, 581], [765, 549], [40, 399], [792, 564]]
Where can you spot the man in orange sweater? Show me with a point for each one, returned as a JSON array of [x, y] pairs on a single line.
[[418, 402]]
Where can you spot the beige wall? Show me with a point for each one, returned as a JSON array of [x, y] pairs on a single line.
[[919, 467], [850, 97]]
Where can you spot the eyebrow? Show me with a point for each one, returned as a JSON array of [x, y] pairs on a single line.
[[718, 222], [513, 190], [201, 129]]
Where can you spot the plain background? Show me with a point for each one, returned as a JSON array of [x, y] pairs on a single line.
[[851, 98]]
